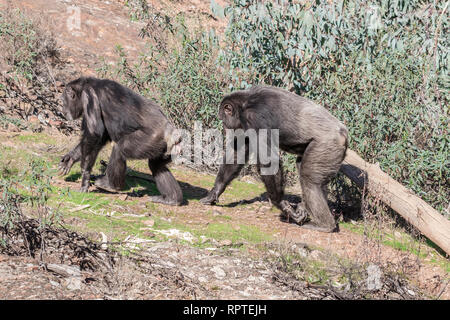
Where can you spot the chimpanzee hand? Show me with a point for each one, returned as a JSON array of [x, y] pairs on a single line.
[[210, 199], [66, 164]]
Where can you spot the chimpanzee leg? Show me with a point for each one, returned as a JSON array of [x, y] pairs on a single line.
[[275, 189], [166, 183], [319, 163], [89, 151], [227, 172], [114, 178]]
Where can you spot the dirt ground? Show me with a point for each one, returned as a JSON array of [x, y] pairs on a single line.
[[230, 251]]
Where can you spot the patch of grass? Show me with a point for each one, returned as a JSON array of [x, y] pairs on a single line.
[[242, 233], [36, 138], [5, 120], [116, 227], [405, 242]]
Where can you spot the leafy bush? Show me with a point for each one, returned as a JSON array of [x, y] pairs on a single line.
[[381, 67], [181, 74], [25, 46]]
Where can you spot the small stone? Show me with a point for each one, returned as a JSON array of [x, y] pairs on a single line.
[[54, 283], [34, 119], [225, 243], [316, 255], [55, 123], [219, 273], [13, 128], [149, 222], [73, 283], [217, 213]]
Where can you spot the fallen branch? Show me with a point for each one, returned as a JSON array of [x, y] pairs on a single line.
[[402, 200]]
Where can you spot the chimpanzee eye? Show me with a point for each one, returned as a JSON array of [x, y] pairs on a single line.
[[228, 108]]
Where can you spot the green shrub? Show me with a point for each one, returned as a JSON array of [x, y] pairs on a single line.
[[25, 45], [184, 79]]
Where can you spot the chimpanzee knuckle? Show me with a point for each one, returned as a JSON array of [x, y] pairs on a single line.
[[207, 200]]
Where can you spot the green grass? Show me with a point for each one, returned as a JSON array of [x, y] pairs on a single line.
[[226, 231], [36, 138]]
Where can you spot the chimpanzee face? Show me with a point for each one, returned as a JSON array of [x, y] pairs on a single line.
[[72, 105], [230, 115]]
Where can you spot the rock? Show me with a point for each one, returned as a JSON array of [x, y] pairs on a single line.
[[73, 283], [104, 245], [54, 283], [123, 197], [317, 255], [28, 108], [149, 222], [217, 213], [55, 123], [219, 273], [13, 128], [34, 120], [204, 239], [225, 243], [64, 270]]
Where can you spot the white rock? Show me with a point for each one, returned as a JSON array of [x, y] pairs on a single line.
[[73, 283], [219, 273]]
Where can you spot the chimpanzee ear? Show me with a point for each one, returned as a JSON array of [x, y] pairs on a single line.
[[92, 112], [228, 109], [71, 92]]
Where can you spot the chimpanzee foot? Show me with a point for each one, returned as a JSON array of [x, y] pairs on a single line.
[[288, 213], [210, 199], [315, 227], [164, 200], [102, 183], [84, 189]]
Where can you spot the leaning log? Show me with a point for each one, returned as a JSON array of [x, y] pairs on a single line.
[[414, 210]]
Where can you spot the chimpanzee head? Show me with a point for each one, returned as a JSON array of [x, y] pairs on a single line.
[[231, 109], [72, 102]]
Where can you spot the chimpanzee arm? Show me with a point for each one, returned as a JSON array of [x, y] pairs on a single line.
[[90, 147], [227, 172], [68, 160]]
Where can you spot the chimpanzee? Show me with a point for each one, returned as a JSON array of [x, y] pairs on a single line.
[[136, 126], [307, 130]]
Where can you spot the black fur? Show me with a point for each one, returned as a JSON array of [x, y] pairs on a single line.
[[305, 129], [137, 126]]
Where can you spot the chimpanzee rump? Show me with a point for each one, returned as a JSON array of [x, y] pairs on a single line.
[[305, 129], [137, 126]]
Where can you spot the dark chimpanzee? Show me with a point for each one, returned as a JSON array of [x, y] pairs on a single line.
[[137, 127], [305, 129]]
